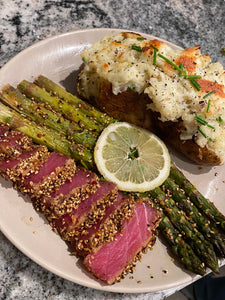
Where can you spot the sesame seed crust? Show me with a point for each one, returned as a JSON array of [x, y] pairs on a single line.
[[65, 204], [109, 228], [51, 183], [25, 166]]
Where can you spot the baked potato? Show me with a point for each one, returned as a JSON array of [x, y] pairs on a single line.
[[177, 94]]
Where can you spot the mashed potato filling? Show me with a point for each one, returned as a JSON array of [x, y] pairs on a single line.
[[181, 84]]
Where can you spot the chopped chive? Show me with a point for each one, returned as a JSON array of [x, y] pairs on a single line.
[[154, 54], [119, 42], [154, 57], [192, 76], [211, 140], [210, 93], [140, 38], [137, 48], [210, 126], [201, 121], [181, 66], [154, 47], [116, 121], [195, 84], [102, 179], [219, 119], [84, 59], [208, 106], [132, 89], [169, 62], [133, 153], [202, 132]]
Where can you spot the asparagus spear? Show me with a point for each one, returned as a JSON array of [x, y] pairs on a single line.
[[38, 113], [203, 224], [197, 198], [180, 248], [33, 91], [196, 240], [44, 136], [60, 92]]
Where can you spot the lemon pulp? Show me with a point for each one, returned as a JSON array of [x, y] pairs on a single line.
[[133, 158]]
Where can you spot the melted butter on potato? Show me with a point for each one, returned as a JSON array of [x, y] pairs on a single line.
[[116, 60]]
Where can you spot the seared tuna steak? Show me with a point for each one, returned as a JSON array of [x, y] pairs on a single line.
[[107, 228], [113, 259]]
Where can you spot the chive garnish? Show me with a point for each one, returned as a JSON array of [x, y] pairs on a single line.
[[140, 38], [119, 42], [154, 47], [208, 106], [211, 140], [210, 126], [192, 76], [154, 54], [169, 62], [154, 57], [132, 89], [181, 66], [137, 48], [102, 179], [202, 132], [210, 93], [219, 119], [84, 59], [133, 153], [116, 121], [201, 121], [195, 84]]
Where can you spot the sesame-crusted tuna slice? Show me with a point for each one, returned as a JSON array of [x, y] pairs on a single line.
[[114, 259], [67, 198], [108, 228], [50, 176], [83, 244], [16, 169], [90, 210], [13, 143]]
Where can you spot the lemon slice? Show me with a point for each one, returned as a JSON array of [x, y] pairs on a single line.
[[133, 158]]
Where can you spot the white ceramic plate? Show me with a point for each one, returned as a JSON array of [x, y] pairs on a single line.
[[59, 59]]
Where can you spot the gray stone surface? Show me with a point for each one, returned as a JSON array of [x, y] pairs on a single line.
[[22, 23]]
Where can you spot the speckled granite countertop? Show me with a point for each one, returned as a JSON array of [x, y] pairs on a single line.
[[185, 23]]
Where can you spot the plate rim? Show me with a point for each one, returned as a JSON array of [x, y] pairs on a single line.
[[71, 32]]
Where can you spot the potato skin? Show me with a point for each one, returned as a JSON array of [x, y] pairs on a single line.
[[169, 132], [130, 106]]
